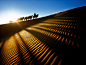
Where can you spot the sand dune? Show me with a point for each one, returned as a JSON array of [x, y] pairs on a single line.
[[58, 39]]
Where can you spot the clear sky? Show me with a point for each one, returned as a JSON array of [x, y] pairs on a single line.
[[12, 9]]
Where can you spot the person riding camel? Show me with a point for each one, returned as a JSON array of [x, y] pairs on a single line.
[[34, 14]]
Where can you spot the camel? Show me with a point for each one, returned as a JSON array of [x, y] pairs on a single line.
[[30, 17], [35, 16], [26, 18], [21, 18]]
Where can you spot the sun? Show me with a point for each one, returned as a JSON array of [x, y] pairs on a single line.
[[13, 16], [9, 16]]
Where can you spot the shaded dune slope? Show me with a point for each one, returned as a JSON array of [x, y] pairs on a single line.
[[58, 39]]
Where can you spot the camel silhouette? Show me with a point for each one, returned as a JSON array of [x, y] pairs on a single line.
[[27, 17], [30, 17], [21, 18], [35, 16]]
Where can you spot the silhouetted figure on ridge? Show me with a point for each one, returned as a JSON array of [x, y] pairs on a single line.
[[26, 18], [35, 16], [30, 17], [21, 18]]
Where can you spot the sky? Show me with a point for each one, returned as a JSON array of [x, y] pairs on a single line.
[[13, 9]]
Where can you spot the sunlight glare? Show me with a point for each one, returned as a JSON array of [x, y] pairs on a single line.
[[12, 16]]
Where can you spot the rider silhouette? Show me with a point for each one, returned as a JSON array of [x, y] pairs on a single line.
[[34, 14]]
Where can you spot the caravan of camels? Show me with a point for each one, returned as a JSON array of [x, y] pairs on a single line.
[[26, 18]]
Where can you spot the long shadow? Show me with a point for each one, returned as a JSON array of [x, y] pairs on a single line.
[[7, 30], [29, 52], [76, 40], [21, 57], [43, 38], [66, 52]]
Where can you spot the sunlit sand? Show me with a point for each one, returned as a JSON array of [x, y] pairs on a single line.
[[58, 40]]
